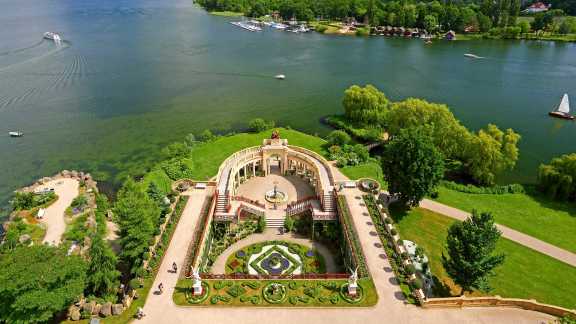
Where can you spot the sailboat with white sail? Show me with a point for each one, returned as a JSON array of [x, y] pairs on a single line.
[[563, 109]]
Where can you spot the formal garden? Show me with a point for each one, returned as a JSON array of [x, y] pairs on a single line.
[[274, 293], [275, 258]]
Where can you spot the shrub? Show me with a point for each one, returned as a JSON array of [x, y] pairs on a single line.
[[258, 125], [393, 232], [410, 269], [388, 220], [338, 138], [416, 284], [495, 190], [289, 223], [404, 255], [206, 136], [261, 224]]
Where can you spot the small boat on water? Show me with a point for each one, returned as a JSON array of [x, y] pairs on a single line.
[[53, 36], [246, 26], [473, 56], [15, 134], [279, 26], [563, 109], [280, 76]]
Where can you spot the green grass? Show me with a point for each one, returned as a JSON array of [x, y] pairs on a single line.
[[525, 273], [532, 213], [207, 157], [160, 179], [297, 290], [365, 170], [227, 13]]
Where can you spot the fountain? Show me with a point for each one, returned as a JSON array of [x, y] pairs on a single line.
[[275, 196]]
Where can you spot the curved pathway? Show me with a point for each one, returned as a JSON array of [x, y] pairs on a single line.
[[271, 234], [67, 190], [389, 309], [513, 235]]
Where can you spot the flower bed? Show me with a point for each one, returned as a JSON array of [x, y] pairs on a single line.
[[290, 257], [278, 293]]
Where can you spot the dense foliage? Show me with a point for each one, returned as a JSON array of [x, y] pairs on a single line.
[[258, 125], [37, 282], [494, 190], [29, 200], [470, 245], [481, 156], [349, 154], [558, 179], [338, 137], [137, 216], [103, 278], [412, 165]]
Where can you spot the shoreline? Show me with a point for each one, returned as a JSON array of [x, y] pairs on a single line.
[[332, 28]]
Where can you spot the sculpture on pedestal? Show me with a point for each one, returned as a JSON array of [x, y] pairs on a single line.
[[353, 282]]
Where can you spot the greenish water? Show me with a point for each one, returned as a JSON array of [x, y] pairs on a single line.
[[134, 75]]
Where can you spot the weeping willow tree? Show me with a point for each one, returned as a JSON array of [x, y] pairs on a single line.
[[557, 178]]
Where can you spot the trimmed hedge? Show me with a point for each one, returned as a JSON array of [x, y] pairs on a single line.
[[495, 190]]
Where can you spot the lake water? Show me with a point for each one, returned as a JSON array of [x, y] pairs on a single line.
[[134, 75]]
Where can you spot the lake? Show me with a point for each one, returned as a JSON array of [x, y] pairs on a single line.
[[135, 75]]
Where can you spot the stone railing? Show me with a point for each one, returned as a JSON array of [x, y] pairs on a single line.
[[240, 276], [497, 301], [248, 200]]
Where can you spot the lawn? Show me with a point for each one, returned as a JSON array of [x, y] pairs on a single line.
[[301, 293], [365, 170], [227, 13], [525, 273], [207, 157], [533, 214]]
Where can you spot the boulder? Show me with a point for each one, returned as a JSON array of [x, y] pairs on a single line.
[[96, 309], [117, 309], [106, 309], [89, 307], [126, 301], [74, 313]]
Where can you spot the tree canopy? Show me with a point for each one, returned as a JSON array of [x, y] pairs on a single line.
[[37, 282], [412, 165], [364, 106], [137, 215], [470, 258], [103, 278], [557, 178]]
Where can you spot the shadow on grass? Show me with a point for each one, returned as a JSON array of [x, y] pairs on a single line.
[[547, 202], [398, 211], [441, 289]]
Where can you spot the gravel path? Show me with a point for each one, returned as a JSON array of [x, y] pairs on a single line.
[[67, 190]]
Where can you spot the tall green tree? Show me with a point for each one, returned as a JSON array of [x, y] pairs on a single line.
[[365, 106], [557, 179], [137, 215], [103, 278], [412, 165], [37, 282], [470, 258]]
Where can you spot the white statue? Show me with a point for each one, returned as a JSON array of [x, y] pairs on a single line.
[[197, 281], [353, 282]]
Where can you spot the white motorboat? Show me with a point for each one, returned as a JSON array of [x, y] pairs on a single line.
[[15, 134], [53, 36], [280, 76], [473, 56], [246, 26]]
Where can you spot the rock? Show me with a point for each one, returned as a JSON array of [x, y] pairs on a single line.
[[106, 309], [96, 309], [89, 307], [74, 313], [24, 238], [126, 301], [65, 173], [117, 309]]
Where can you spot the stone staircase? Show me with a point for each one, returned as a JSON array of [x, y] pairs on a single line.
[[329, 203], [221, 203], [275, 222]]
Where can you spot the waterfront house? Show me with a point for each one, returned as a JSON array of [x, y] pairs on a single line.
[[536, 8]]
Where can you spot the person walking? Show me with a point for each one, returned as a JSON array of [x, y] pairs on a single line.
[[174, 267], [161, 288]]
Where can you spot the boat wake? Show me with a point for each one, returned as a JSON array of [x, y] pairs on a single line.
[[63, 46], [474, 56], [22, 49]]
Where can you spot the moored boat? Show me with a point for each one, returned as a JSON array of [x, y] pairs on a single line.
[[563, 109], [15, 134], [474, 56], [280, 76]]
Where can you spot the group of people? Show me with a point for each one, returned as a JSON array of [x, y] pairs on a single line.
[[140, 312]]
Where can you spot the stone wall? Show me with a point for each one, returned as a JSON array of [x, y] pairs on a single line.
[[497, 301]]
